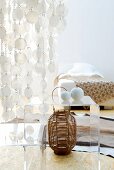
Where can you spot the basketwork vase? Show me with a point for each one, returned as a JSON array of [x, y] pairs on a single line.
[[62, 132]]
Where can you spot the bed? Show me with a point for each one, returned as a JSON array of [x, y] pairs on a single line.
[[87, 77]]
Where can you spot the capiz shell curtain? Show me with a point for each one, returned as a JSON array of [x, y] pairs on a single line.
[[28, 34]]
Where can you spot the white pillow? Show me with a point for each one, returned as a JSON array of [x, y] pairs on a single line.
[[84, 69], [64, 68]]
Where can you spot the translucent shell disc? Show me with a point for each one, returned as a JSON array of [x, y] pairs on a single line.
[[32, 3], [5, 116], [38, 26], [18, 14], [28, 109], [51, 67], [5, 79], [28, 92], [1, 17], [44, 108], [8, 103], [2, 32], [20, 135], [20, 29], [43, 84], [38, 68], [20, 58], [54, 20], [20, 44], [22, 1], [61, 10], [29, 130], [32, 17], [6, 91], [30, 140]]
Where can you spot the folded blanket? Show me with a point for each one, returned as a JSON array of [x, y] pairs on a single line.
[[99, 89]]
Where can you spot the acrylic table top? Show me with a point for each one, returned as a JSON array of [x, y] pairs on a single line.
[[78, 161], [12, 158]]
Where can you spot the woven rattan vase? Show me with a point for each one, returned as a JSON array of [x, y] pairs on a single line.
[[62, 132]]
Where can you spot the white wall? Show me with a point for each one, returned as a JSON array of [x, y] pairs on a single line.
[[89, 35]]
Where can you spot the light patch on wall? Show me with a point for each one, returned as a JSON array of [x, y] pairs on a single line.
[[89, 36]]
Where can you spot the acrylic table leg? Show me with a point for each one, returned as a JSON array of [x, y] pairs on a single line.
[[43, 159], [34, 158], [43, 149], [95, 134], [25, 161], [29, 156]]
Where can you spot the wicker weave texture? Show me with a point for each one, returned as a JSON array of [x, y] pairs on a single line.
[[62, 132]]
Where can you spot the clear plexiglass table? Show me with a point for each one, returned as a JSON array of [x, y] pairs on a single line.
[[30, 135], [88, 127]]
